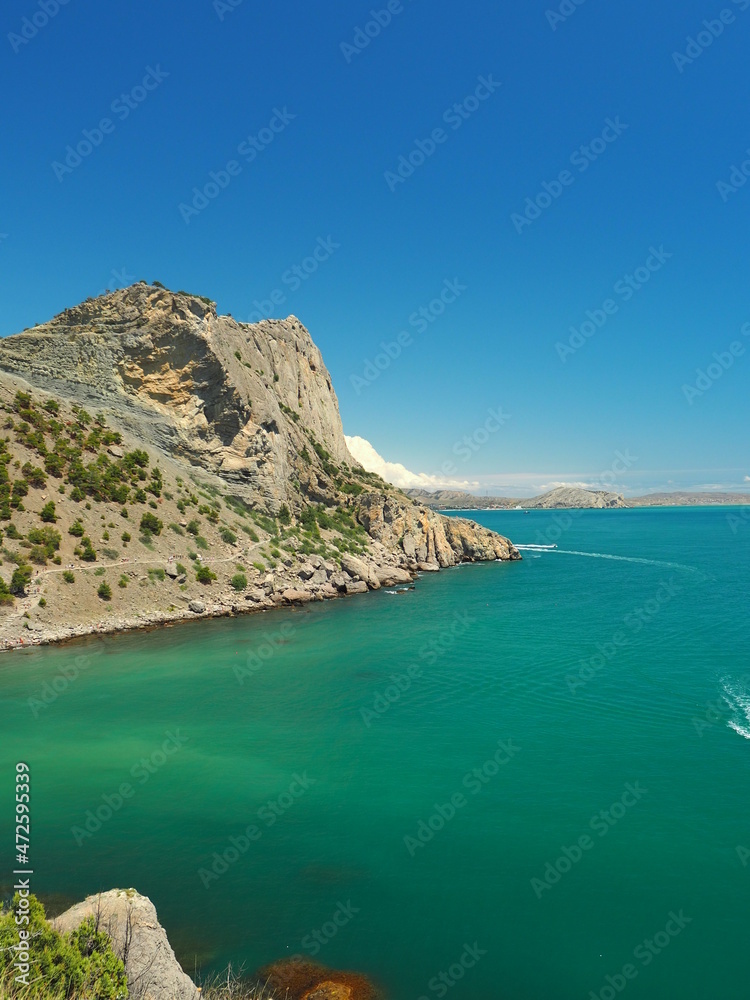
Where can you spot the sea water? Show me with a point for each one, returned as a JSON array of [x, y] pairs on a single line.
[[524, 780]]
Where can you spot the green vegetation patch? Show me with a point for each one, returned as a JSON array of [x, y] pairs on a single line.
[[79, 964]]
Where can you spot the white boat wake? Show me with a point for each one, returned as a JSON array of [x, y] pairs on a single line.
[[606, 555], [738, 699]]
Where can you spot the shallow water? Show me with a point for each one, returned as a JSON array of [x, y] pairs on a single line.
[[290, 734]]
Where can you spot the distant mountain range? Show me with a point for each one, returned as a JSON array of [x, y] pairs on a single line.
[[688, 499], [570, 497]]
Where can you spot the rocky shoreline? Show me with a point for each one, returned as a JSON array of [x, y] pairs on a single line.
[[311, 579]]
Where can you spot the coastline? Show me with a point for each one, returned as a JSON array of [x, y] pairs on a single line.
[[286, 594], [639, 506], [222, 606]]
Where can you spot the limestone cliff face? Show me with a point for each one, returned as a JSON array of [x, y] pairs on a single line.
[[426, 537], [242, 401]]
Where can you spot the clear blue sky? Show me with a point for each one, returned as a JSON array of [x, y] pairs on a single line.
[[235, 69]]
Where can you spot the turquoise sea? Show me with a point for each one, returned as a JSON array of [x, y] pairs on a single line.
[[515, 782]]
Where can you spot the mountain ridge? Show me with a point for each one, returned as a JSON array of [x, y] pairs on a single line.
[[205, 430], [561, 496], [569, 497]]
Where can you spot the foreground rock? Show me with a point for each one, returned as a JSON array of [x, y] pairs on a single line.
[[130, 920], [153, 972]]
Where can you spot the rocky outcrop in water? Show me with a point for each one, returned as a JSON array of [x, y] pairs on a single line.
[[426, 538]]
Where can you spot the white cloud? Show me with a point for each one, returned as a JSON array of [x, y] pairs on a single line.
[[577, 485], [522, 485], [397, 474]]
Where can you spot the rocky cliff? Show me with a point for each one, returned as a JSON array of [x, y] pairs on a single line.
[[193, 465], [239, 400]]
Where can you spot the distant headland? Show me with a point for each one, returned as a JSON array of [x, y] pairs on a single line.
[[570, 497]]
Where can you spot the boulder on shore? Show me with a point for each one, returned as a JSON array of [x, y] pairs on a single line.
[[130, 920]]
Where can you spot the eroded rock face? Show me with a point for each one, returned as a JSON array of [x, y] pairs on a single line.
[[230, 397], [426, 537], [130, 920]]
